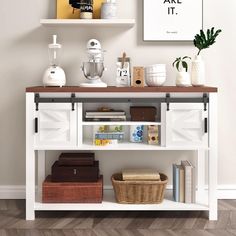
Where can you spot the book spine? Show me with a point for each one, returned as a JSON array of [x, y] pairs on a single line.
[[106, 114], [193, 185], [188, 184], [176, 183], [109, 136], [181, 184], [104, 119]]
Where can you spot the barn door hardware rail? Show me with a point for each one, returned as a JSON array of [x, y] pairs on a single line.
[[72, 100], [204, 100], [167, 99]]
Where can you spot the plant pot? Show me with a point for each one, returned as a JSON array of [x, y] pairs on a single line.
[[198, 72], [183, 79]]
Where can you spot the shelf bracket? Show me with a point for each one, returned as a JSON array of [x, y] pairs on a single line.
[[205, 101], [168, 101], [36, 100], [73, 101]]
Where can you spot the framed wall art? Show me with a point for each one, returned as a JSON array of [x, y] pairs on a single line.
[[172, 20]]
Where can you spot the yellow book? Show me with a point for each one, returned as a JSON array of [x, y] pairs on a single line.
[[66, 11]]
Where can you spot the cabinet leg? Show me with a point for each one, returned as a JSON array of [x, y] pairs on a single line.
[[41, 171], [30, 184], [30, 157], [213, 154], [80, 126], [213, 203], [201, 176]]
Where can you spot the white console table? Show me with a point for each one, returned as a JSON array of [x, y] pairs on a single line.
[[54, 121]]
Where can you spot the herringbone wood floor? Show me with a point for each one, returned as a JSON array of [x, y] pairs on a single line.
[[12, 222]]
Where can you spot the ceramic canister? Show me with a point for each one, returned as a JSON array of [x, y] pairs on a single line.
[[109, 10], [136, 133], [86, 9]]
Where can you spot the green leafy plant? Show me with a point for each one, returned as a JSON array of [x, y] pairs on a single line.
[[180, 63], [205, 40]]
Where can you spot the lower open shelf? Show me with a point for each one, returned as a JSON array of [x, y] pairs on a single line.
[[109, 204]]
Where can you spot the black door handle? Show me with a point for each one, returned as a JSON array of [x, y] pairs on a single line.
[[36, 125], [205, 125]]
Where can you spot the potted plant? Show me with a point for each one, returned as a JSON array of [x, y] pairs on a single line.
[[183, 77], [202, 41]]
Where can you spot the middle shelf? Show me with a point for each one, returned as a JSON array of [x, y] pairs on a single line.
[[88, 146]]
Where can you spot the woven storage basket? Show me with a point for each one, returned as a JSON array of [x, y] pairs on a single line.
[[139, 192]]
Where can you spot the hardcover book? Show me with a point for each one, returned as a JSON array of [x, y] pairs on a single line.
[[140, 174], [190, 185], [117, 136], [175, 183], [181, 183]]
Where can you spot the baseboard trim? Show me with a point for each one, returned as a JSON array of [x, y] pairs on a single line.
[[12, 192], [226, 192], [18, 191]]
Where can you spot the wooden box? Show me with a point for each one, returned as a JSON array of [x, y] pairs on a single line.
[[76, 159], [75, 173], [138, 79], [72, 192], [143, 113]]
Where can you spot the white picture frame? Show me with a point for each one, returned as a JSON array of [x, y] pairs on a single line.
[[172, 20]]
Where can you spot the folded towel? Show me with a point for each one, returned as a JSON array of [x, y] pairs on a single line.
[[140, 174]]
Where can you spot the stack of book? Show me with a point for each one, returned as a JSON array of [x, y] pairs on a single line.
[[108, 135], [184, 185], [109, 115]]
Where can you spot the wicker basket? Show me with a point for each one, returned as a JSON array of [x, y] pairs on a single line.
[[139, 192]]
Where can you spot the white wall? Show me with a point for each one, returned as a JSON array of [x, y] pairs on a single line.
[[23, 58]]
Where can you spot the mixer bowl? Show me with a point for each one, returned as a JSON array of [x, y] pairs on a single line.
[[93, 70]]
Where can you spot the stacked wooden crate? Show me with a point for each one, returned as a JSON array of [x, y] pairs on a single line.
[[75, 179]]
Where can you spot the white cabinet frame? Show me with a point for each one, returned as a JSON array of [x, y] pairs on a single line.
[[203, 203]]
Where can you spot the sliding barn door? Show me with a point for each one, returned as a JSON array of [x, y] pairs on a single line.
[[186, 125], [55, 125]]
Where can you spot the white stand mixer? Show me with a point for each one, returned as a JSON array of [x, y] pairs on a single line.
[[54, 75], [93, 69]]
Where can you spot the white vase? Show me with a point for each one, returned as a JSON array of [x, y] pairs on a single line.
[[183, 79], [198, 72]]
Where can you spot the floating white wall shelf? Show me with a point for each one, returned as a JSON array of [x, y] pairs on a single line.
[[129, 23]]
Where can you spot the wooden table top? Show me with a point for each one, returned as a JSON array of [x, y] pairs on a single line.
[[162, 89]]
